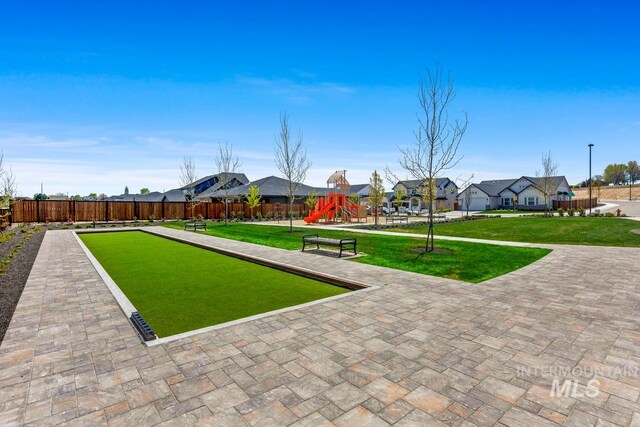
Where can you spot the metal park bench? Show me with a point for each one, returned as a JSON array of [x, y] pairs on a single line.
[[314, 239], [195, 225], [400, 219]]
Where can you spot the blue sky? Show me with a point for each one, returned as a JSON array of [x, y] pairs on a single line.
[[94, 97]]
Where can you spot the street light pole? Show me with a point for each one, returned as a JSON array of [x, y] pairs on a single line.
[[590, 180]]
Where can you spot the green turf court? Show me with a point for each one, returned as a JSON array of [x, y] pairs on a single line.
[[178, 288]]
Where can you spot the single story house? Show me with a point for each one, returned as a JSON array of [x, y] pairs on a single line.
[[212, 183], [523, 192], [273, 189], [446, 193], [198, 189]]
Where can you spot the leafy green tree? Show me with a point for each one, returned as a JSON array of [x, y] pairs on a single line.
[[126, 190], [354, 198], [253, 198], [399, 197], [94, 196], [144, 191], [311, 200], [615, 173], [40, 196], [633, 172], [102, 196], [376, 193]]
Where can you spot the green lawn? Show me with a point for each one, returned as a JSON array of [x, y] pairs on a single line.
[[559, 230], [508, 211], [471, 262], [178, 288]]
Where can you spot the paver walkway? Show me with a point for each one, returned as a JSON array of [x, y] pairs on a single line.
[[418, 351]]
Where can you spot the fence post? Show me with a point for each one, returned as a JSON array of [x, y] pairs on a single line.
[[162, 208], [75, 210], [106, 210], [184, 211], [38, 210]]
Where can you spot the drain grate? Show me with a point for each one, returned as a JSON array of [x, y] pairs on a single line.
[[143, 328]]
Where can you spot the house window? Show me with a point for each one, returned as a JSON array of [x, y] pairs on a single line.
[[530, 201], [506, 201]]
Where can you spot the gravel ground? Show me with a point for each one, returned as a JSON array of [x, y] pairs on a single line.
[[13, 280]]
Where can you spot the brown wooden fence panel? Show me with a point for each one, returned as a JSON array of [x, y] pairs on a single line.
[[121, 211], [54, 210], [575, 203], [24, 211], [91, 211], [147, 210], [174, 210]]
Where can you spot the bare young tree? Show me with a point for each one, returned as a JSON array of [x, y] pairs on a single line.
[[8, 190], [546, 180], [291, 160], [467, 197], [376, 194], [8, 184], [227, 164], [437, 139], [188, 175]]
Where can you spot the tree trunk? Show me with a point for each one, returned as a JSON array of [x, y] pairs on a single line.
[[290, 215], [429, 244]]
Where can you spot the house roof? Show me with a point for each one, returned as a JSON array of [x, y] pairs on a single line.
[[494, 187], [271, 186], [175, 195], [239, 176], [410, 184], [362, 189], [557, 180], [154, 196]]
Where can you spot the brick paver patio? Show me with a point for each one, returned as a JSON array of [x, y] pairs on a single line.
[[418, 351]]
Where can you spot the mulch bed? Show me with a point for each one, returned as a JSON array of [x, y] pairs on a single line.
[[12, 281]]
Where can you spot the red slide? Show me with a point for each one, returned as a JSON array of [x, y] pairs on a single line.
[[317, 214], [330, 205]]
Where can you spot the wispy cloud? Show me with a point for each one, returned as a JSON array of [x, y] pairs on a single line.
[[45, 142], [294, 91]]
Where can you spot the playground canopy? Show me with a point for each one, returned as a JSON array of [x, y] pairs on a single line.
[[338, 180]]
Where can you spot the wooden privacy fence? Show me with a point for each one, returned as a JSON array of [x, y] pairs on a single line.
[[575, 203], [69, 210]]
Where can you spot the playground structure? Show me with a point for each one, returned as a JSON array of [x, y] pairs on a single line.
[[336, 206]]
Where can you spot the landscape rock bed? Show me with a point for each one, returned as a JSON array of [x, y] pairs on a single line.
[[16, 269]]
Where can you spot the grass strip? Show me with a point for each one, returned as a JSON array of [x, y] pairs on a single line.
[[552, 230], [470, 262]]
